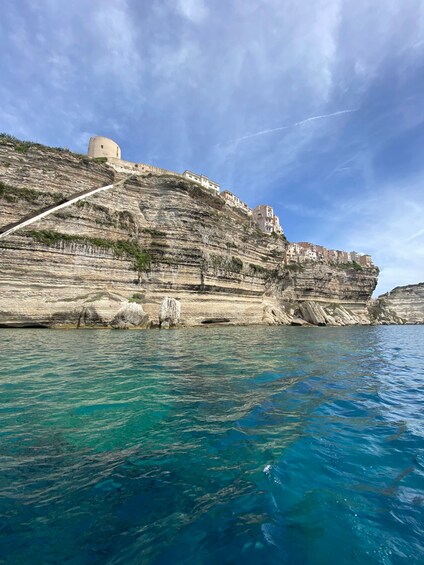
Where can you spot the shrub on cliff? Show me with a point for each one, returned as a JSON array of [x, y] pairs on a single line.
[[141, 259], [347, 266]]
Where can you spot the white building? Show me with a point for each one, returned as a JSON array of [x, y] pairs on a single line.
[[266, 220], [202, 180], [233, 200]]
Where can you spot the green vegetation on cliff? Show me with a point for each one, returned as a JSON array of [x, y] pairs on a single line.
[[13, 193], [24, 146], [141, 259], [227, 264], [294, 267], [347, 266]]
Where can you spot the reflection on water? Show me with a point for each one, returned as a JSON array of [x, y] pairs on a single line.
[[234, 445]]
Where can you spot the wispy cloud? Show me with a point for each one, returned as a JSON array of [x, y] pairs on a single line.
[[194, 10], [172, 80]]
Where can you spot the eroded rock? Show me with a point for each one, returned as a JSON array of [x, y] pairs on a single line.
[[169, 312], [273, 315], [402, 305], [99, 310], [131, 316], [313, 313]]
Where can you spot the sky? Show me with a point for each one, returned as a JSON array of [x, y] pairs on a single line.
[[314, 107]]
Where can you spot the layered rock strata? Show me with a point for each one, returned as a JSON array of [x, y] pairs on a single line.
[[402, 305], [110, 260]]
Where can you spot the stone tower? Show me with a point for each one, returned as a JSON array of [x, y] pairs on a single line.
[[103, 147]]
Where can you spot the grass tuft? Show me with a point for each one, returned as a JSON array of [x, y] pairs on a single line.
[[141, 259]]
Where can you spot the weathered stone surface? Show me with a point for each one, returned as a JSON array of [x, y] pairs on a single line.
[[402, 305], [169, 312], [130, 316], [299, 322], [97, 311], [273, 315], [313, 313], [159, 236]]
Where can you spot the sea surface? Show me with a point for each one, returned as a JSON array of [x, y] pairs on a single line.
[[224, 445]]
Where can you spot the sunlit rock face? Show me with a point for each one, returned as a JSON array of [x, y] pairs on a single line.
[[169, 312], [402, 305], [158, 236]]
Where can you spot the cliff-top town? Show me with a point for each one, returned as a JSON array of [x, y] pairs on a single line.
[[263, 215]]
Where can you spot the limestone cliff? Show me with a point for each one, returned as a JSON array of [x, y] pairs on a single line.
[[402, 305], [157, 236]]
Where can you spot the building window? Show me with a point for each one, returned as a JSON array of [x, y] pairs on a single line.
[[101, 146]]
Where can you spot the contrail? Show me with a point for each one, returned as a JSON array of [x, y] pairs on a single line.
[[311, 119], [415, 235]]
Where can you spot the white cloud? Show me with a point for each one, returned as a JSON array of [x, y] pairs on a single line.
[[184, 76], [383, 228], [116, 48], [194, 10]]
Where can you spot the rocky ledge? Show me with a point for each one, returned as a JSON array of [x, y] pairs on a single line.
[[157, 251], [402, 305]]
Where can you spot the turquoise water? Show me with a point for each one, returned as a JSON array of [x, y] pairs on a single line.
[[213, 445]]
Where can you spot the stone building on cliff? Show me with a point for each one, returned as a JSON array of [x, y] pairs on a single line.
[[263, 215], [234, 201], [266, 220], [103, 147], [99, 146], [305, 252], [202, 180]]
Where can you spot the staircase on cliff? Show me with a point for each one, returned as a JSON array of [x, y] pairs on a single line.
[[31, 218]]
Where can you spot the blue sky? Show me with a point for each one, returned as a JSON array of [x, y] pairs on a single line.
[[313, 107]]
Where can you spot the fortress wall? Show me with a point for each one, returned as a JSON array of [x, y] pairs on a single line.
[[136, 168]]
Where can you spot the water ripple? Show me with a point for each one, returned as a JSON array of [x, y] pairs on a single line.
[[234, 445]]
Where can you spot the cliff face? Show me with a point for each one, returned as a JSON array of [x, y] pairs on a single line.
[[402, 305], [155, 236]]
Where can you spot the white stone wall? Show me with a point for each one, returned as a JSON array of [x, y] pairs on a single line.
[[103, 147], [137, 168], [202, 180]]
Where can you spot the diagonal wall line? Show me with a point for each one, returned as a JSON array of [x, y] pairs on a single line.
[[39, 215]]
